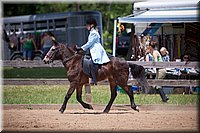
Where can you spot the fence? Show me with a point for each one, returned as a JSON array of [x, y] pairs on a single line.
[[160, 82], [16, 63]]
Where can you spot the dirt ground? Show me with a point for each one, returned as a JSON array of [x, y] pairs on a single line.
[[120, 118]]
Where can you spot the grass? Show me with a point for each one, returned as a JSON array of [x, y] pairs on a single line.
[[9, 72], [54, 94]]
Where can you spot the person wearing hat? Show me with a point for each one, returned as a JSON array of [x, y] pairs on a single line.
[[98, 53]]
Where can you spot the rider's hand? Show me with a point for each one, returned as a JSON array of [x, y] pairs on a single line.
[[79, 48]]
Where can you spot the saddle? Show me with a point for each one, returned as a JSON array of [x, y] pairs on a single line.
[[87, 60]]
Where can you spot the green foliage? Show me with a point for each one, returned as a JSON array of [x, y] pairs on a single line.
[[54, 94]]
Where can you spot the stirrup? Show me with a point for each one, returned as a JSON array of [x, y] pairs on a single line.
[[93, 83]]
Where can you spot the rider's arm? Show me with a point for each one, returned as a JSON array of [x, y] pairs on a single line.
[[93, 37]]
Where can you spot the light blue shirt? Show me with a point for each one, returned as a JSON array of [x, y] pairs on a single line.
[[166, 58], [97, 51]]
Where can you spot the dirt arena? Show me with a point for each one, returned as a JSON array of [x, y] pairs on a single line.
[[120, 118]]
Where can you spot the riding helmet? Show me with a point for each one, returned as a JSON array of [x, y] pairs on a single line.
[[91, 21]]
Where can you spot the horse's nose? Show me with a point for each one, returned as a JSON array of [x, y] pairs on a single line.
[[45, 61]]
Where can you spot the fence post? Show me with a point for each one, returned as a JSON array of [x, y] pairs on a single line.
[[88, 93]]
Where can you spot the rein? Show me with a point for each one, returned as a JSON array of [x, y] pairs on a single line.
[[68, 59]]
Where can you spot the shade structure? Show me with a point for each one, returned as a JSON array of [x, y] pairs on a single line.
[[171, 15]]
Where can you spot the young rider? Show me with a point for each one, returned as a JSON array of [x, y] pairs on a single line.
[[98, 54]]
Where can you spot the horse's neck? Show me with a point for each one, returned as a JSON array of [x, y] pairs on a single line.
[[67, 52], [69, 56]]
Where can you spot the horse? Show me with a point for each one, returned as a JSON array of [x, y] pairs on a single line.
[[116, 71]]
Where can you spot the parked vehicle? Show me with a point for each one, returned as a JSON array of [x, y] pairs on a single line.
[[122, 39], [68, 28], [122, 43]]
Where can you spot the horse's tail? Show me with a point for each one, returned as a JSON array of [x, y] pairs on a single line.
[[138, 72]]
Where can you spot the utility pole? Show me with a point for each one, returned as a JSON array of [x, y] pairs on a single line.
[[131, 50], [77, 6]]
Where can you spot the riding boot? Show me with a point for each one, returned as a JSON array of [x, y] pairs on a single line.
[[163, 95], [94, 70]]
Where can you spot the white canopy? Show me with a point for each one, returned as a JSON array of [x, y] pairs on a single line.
[[175, 15], [180, 11]]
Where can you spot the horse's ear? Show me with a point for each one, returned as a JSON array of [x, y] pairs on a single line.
[[54, 40]]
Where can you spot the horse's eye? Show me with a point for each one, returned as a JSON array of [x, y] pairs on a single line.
[[53, 49]]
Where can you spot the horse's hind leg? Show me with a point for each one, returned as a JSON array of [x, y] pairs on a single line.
[[67, 96], [130, 94], [79, 98], [113, 96]]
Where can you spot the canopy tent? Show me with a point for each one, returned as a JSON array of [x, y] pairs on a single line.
[[159, 15], [175, 15]]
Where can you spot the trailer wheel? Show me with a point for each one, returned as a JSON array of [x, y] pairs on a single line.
[[39, 58], [17, 57]]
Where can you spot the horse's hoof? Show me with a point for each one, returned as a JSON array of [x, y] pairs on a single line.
[[105, 112], [90, 107], [61, 111], [136, 108]]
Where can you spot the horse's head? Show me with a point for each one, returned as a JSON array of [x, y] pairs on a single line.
[[51, 54], [58, 52]]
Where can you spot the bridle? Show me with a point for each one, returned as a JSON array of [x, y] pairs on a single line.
[[55, 49]]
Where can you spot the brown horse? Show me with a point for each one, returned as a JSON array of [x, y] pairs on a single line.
[[116, 71]]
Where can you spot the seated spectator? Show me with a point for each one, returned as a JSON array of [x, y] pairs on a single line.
[[149, 57], [148, 54], [186, 59], [164, 54]]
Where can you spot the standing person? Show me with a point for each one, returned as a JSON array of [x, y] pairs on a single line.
[[160, 72], [98, 54], [14, 42], [28, 45], [164, 54], [46, 42]]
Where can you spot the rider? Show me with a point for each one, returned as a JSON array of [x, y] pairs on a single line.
[[98, 54]]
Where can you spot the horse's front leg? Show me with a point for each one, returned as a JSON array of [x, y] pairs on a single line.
[[79, 98], [67, 96]]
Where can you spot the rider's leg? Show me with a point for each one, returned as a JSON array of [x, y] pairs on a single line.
[[94, 70]]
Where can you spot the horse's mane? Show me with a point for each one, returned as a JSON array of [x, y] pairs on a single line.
[[70, 48]]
